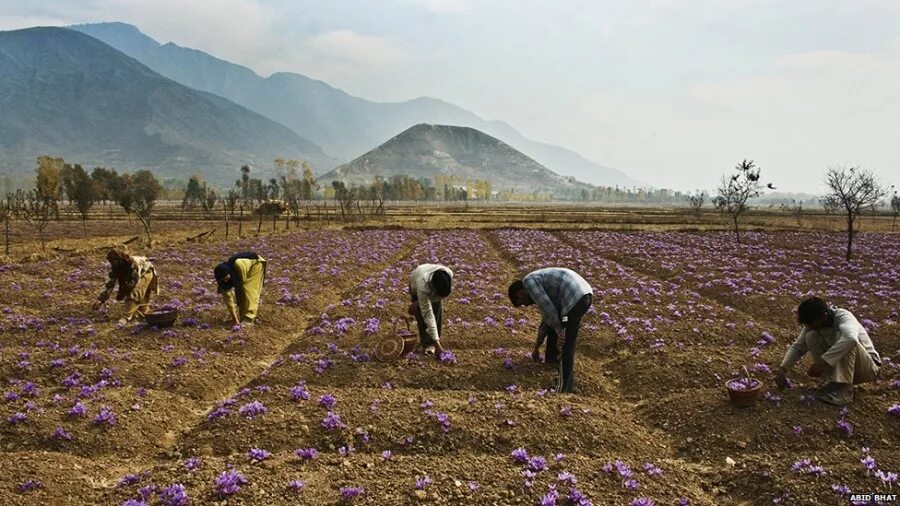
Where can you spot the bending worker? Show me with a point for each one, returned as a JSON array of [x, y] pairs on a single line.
[[240, 281], [429, 284], [136, 278]]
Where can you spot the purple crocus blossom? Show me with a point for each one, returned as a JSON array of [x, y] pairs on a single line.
[[16, 418], [306, 453], [299, 393], [258, 454], [230, 482], [295, 485], [894, 410], [192, 464], [253, 409], [327, 401], [519, 456], [642, 501], [332, 421], [350, 493], [30, 485], [447, 357], [174, 495], [422, 482], [105, 417]]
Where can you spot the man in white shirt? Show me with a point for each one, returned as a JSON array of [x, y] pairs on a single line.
[[840, 348], [429, 284]]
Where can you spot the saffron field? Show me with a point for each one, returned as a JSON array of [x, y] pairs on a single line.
[[295, 410]]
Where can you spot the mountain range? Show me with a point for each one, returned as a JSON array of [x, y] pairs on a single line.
[[465, 153], [65, 93], [345, 126]]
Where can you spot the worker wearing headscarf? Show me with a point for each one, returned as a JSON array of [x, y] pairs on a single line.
[[137, 281], [240, 281]]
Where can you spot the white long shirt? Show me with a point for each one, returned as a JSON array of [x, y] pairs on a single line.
[[420, 287], [841, 337]]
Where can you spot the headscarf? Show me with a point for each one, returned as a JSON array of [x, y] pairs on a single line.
[[120, 265], [227, 268]]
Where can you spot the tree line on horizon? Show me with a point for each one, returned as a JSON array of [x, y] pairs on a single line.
[[852, 191]]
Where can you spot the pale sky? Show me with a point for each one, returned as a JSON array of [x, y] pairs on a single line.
[[672, 92]]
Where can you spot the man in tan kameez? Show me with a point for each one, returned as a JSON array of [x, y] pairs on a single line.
[[137, 281], [240, 280]]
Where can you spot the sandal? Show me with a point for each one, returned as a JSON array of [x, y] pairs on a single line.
[[836, 398]]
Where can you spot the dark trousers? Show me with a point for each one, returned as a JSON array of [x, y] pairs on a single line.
[[565, 358], [424, 339]]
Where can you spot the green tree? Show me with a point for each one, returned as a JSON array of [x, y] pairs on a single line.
[[137, 194], [48, 181], [80, 189]]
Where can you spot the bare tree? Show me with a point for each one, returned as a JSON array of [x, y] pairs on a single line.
[[5, 213], [696, 202], [895, 209], [852, 190], [33, 209], [734, 191]]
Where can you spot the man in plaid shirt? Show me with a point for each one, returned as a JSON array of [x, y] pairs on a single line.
[[563, 297]]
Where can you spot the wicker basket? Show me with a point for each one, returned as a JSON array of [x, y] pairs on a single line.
[[402, 343], [162, 319]]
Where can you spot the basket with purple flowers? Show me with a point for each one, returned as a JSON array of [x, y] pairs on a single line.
[[743, 392]]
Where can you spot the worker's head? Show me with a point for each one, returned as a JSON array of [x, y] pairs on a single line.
[[441, 282], [518, 295], [814, 313], [223, 276], [117, 256]]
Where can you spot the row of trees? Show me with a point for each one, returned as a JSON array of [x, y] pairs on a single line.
[[850, 191], [135, 193]]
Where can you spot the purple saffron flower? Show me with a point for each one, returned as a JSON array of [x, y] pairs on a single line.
[[631, 484], [474, 486], [447, 357], [894, 410], [78, 409], [350, 493], [422, 482], [253, 409], [104, 417], [519, 456], [258, 454], [386, 455], [327, 401], [845, 427], [840, 489], [16, 418], [174, 495], [62, 434], [800, 465], [134, 502], [537, 464], [295, 485], [332, 421], [30, 485], [219, 412], [652, 470], [299, 393], [869, 463], [230, 482], [192, 464], [566, 410], [567, 477], [550, 498], [642, 501], [306, 453]]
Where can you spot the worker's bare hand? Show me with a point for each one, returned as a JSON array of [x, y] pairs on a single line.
[[438, 349], [818, 368], [781, 378]]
